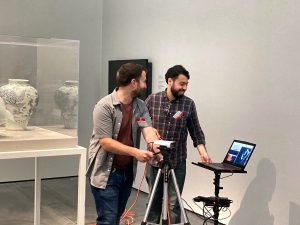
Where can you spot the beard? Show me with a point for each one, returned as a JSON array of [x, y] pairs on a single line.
[[138, 92], [176, 93]]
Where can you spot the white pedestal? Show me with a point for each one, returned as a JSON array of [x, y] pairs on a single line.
[[38, 143]]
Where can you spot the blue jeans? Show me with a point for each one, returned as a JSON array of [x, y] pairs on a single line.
[[111, 201], [174, 207]]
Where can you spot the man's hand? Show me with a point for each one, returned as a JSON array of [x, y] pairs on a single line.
[[204, 157], [156, 133], [150, 135], [143, 155]]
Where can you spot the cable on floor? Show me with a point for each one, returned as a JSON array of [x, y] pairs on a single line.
[[128, 216]]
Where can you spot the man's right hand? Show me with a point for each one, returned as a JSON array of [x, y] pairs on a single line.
[[143, 155]]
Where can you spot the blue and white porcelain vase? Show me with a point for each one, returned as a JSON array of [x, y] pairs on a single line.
[[20, 99], [66, 98], [5, 115]]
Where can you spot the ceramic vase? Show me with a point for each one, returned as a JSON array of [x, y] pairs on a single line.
[[5, 115], [2, 112], [66, 98], [20, 99]]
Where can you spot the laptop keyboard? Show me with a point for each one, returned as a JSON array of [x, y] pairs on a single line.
[[223, 166]]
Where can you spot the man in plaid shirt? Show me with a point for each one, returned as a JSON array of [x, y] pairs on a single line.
[[174, 115]]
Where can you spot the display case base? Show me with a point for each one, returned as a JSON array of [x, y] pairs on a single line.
[[34, 138]]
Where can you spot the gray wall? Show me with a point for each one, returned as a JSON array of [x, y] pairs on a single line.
[[68, 19], [243, 59]]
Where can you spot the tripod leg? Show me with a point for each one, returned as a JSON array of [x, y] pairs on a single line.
[[151, 197], [179, 197], [165, 200]]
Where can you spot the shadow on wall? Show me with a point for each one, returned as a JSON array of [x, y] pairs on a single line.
[[254, 209], [294, 213]]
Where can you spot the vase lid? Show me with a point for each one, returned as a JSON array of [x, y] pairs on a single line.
[[18, 81], [71, 82]]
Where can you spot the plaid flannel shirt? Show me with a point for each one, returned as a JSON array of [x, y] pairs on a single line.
[[174, 120]]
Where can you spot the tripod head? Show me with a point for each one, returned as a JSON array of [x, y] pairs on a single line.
[[165, 149], [163, 143]]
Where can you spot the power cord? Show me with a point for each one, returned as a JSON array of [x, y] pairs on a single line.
[[224, 209], [128, 216], [188, 205], [226, 176]]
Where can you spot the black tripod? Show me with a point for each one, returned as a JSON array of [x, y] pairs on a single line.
[[166, 166]]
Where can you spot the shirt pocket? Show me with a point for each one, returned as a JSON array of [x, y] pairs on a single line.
[[180, 123]]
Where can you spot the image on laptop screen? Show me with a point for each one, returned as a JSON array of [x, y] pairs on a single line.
[[239, 153]]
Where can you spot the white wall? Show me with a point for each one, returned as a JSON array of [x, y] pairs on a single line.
[[68, 19], [243, 60]]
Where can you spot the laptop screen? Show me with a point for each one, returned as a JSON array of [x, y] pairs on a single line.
[[239, 153]]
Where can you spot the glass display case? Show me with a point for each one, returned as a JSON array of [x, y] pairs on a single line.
[[38, 92]]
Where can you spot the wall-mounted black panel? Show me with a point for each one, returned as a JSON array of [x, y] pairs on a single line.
[[114, 65]]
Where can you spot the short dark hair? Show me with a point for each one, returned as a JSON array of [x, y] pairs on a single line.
[[129, 71], [175, 71]]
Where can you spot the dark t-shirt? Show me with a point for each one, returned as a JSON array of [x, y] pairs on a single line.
[[125, 137]]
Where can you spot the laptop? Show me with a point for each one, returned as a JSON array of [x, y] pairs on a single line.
[[236, 159]]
